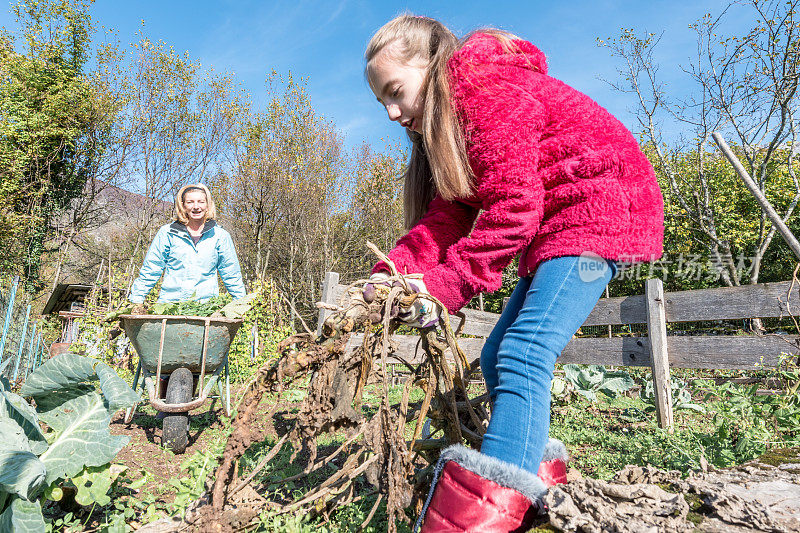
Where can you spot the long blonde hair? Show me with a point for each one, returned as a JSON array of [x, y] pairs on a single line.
[[438, 162], [180, 210]]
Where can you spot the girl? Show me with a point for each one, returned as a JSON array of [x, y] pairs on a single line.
[[507, 161], [190, 252]]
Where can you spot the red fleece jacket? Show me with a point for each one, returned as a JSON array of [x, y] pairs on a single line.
[[555, 175]]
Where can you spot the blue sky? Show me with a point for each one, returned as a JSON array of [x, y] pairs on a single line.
[[324, 42]]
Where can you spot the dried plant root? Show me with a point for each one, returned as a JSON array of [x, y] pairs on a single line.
[[377, 449]]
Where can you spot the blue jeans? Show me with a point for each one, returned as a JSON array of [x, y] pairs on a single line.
[[519, 356]]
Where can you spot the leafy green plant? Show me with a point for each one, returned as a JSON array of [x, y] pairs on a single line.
[[560, 389], [589, 380], [752, 422], [220, 305], [95, 338], [68, 522], [788, 371], [191, 487], [77, 447], [191, 307], [269, 319], [94, 482], [681, 396]]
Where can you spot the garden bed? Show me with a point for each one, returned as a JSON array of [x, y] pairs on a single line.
[[601, 435]]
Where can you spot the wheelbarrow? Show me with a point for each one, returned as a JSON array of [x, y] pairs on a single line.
[[181, 351]]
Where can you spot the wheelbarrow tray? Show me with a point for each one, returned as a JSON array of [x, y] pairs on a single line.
[[183, 341]]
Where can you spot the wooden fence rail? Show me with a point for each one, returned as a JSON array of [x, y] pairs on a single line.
[[657, 349]]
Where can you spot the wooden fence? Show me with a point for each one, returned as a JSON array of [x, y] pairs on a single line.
[[657, 349]]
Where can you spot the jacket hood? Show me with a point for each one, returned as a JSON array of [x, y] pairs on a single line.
[[482, 48]]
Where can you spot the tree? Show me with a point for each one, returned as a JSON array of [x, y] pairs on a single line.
[[297, 204], [283, 190], [172, 120], [175, 122], [52, 130], [375, 210], [745, 87]]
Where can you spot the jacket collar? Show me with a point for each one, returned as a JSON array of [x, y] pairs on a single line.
[[180, 229]]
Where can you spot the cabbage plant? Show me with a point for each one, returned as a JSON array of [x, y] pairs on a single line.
[[681, 397], [74, 398], [589, 380]]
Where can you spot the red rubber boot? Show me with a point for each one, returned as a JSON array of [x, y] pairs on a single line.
[[475, 493], [553, 468]]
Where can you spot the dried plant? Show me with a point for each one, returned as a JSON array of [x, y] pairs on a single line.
[[378, 452]]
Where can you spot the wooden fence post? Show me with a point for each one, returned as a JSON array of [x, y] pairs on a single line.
[[328, 284], [657, 338]]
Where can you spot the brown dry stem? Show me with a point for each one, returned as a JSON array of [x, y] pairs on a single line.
[[378, 452]]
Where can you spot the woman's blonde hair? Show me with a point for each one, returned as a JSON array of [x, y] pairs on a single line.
[[438, 162], [180, 211]]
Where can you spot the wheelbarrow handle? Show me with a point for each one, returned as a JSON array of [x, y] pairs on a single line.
[[160, 405]]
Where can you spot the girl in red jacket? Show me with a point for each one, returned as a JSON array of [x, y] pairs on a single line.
[[507, 161]]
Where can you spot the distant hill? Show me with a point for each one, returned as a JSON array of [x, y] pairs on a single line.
[[108, 219]]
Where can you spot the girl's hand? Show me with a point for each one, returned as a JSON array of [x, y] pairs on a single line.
[[378, 279], [423, 312]]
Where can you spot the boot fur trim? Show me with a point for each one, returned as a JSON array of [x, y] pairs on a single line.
[[503, 473], [555, 449]]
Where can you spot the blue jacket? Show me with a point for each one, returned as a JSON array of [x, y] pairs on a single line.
[[190, 270]]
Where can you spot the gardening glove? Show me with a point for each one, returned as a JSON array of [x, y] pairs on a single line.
[[423, 312]]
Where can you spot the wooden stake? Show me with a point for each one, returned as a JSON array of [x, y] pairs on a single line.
[[773, 215], [657, 338], [110, 281], [328, 284]]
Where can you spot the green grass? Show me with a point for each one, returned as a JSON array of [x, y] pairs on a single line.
[[606, 435], [602, 437]]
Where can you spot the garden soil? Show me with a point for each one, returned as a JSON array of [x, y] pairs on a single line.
[[145, 452], [762, 495]]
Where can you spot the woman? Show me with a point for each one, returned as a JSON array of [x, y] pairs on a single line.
[[190, 252]]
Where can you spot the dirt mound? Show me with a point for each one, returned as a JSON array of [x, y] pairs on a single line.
[[763, 495]]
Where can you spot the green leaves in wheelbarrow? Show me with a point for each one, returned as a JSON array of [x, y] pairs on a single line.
[[191, 307], [239, 307], [216, 307]]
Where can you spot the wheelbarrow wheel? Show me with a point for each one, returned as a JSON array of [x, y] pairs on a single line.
[[175, 429]]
